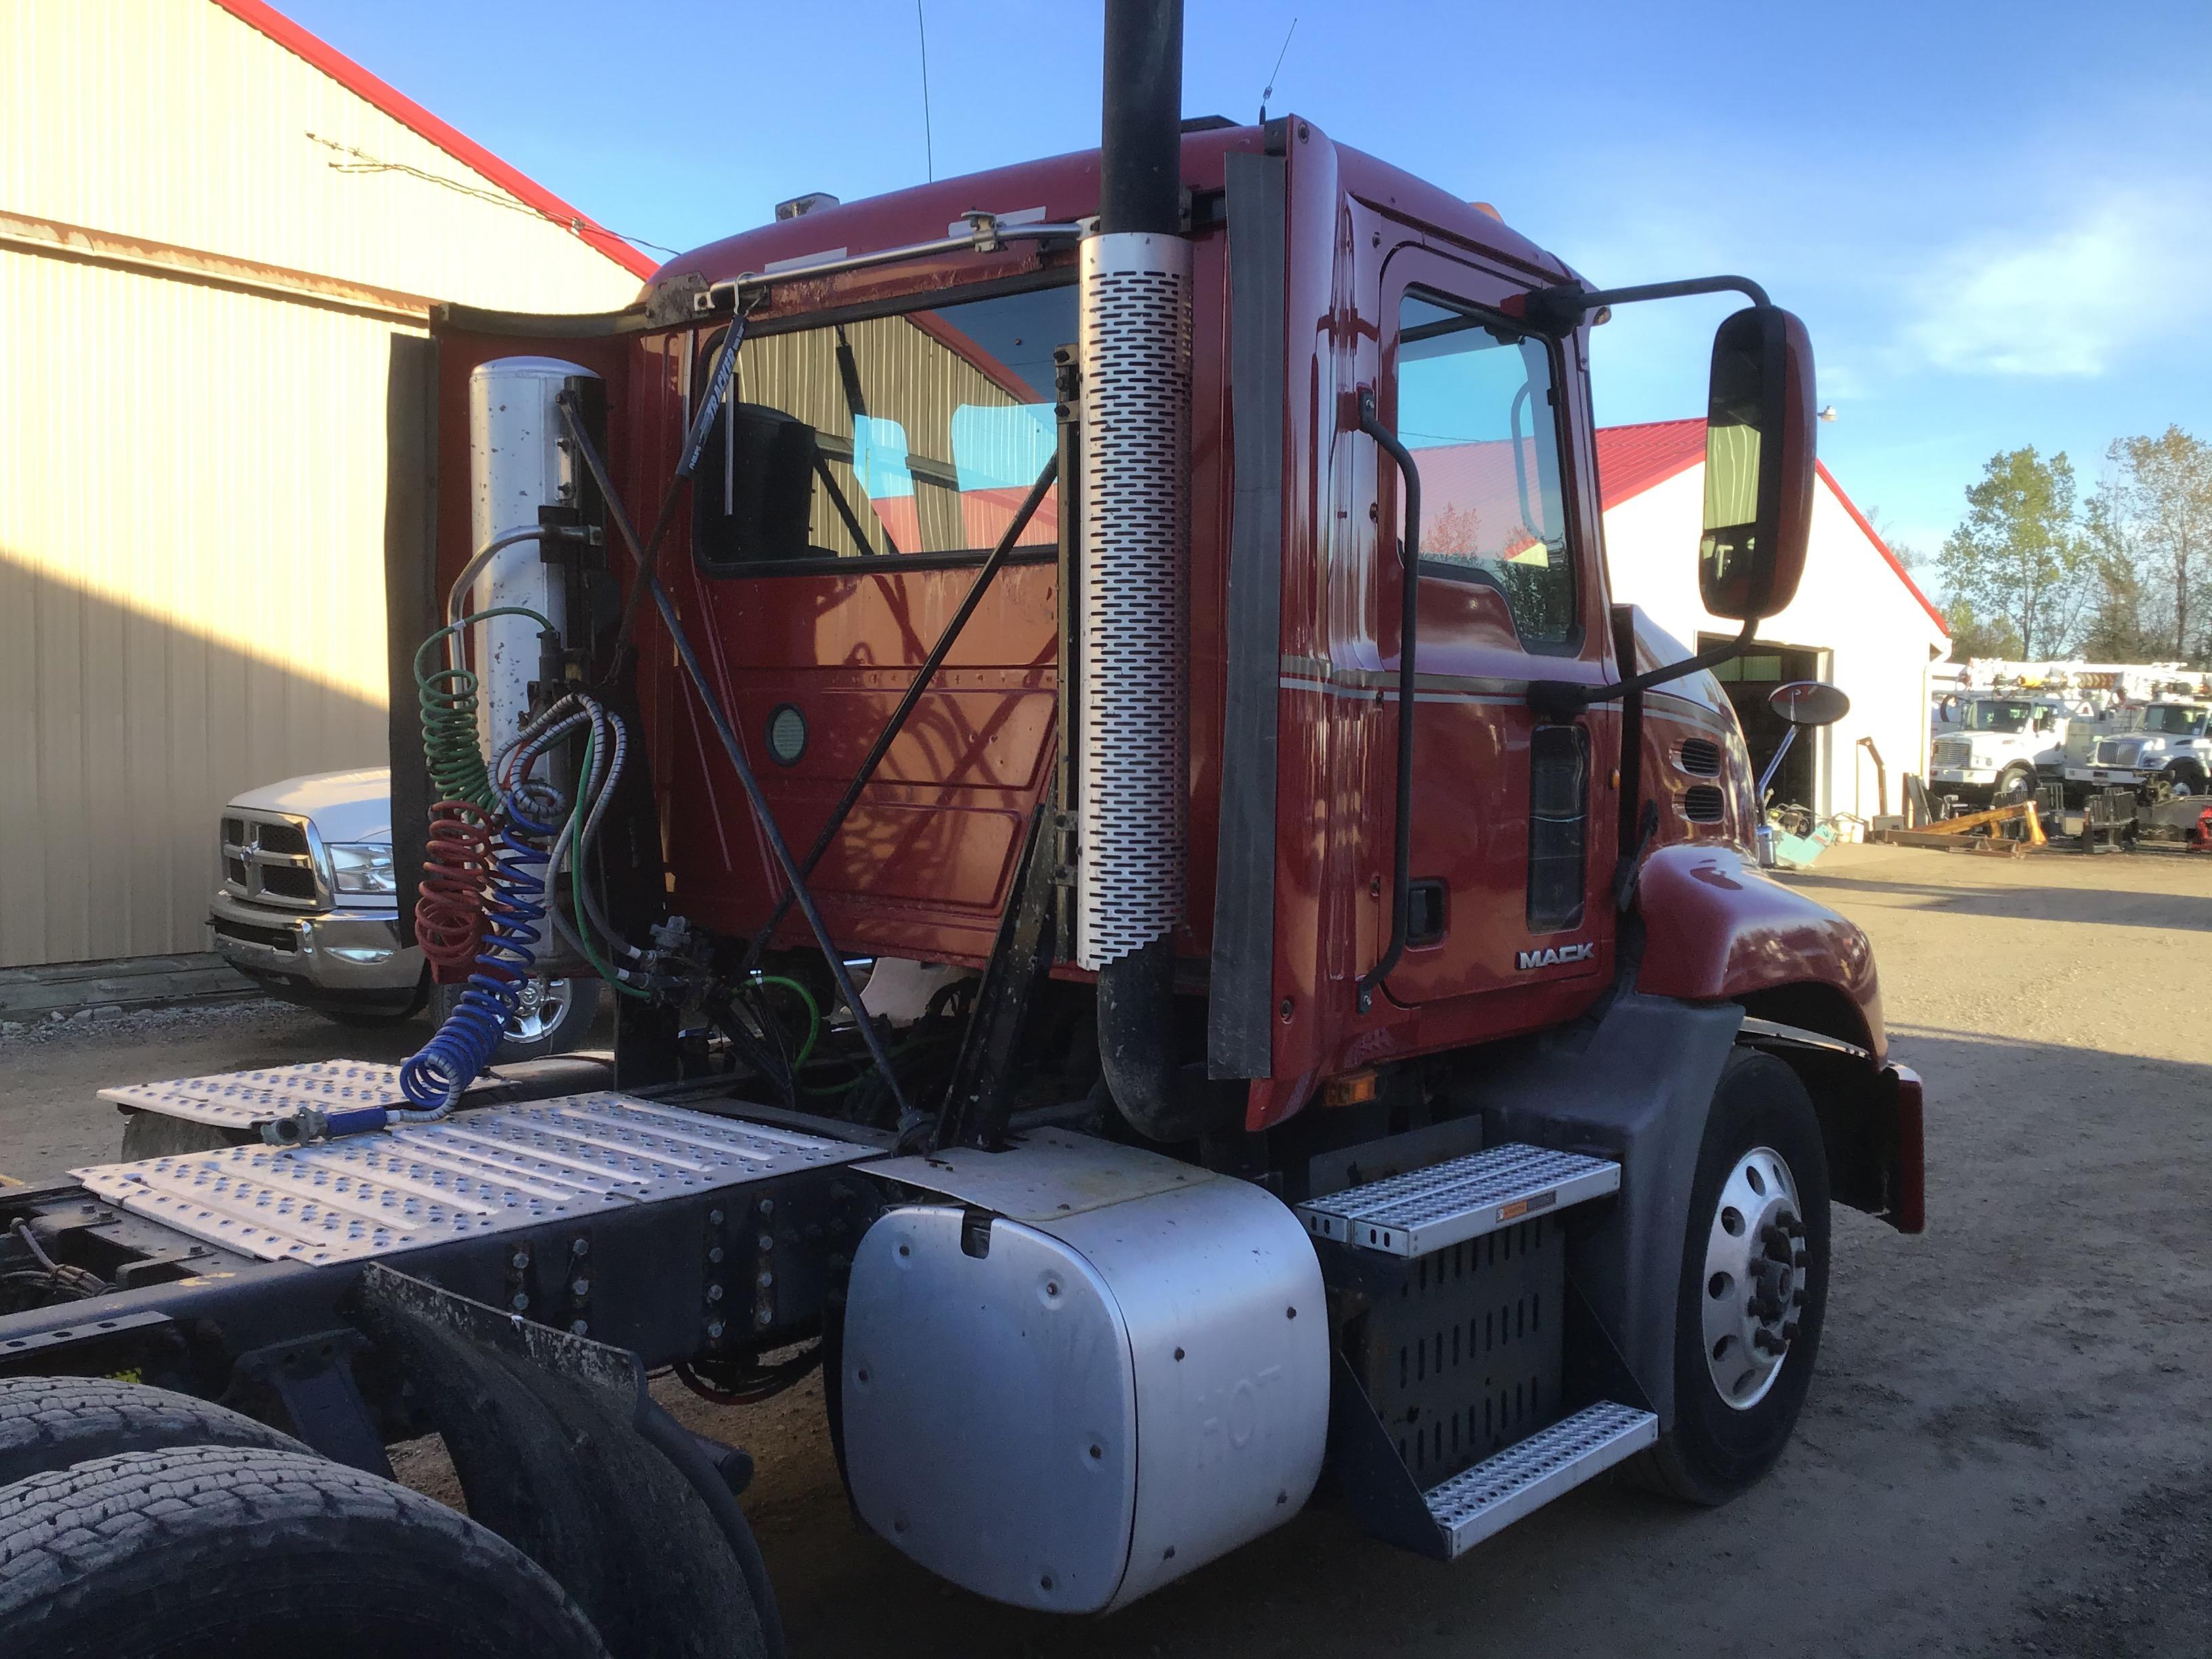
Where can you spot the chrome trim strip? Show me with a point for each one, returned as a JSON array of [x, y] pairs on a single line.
[[1797, 1038]]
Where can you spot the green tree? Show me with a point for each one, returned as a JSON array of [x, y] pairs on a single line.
[[1972, 637], [2153, 516], [2018, 559], [2116, 630]]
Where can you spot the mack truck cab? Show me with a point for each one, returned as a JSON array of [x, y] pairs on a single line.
[[1151, 603]]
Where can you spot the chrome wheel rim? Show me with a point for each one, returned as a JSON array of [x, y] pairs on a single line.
[[540, 1004], [1756, 1270]]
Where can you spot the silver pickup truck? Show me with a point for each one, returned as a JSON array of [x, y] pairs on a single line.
[[308, 908]]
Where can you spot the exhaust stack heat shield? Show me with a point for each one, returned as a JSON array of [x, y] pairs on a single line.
[[1135, 341]]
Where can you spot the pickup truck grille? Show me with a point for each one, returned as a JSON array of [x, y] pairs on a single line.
[[267, 859]]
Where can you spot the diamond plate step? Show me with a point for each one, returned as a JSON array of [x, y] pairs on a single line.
[[1498, 1491], [1424, 1211], [493, 1170]]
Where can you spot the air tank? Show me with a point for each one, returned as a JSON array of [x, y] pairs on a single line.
[[517, 464]]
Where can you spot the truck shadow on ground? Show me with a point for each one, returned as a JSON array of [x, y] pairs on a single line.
[[2114, 907]]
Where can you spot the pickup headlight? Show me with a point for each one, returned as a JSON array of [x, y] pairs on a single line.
[[362, 867]]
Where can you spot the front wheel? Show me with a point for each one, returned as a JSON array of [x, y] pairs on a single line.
[[1754, 1286], [2018, 783]]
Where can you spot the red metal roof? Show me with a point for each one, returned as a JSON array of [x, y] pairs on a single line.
[[314, 50], [1631, 460]]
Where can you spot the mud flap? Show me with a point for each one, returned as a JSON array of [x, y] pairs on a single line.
[[561, 1451]]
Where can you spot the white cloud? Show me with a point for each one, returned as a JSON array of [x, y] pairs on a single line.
[[2066, 303]]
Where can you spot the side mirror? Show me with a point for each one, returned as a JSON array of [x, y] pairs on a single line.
[[1759, 465], [1809, 702], [752, 502]]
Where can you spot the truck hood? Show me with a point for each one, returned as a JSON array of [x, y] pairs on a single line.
[[353, 805]]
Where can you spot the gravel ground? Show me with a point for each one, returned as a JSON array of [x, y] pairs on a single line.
[[2006, 1451]]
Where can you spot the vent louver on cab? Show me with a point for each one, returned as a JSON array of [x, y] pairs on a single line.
[[1702, 804], [1699, 758]]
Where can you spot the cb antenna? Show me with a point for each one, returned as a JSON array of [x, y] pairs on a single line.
[[928, 144], [1268, 91]]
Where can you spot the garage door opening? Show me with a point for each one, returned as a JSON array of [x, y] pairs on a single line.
[[1748, 680]]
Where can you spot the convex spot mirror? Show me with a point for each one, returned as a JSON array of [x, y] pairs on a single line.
[[1759, 465], [1809, 702]]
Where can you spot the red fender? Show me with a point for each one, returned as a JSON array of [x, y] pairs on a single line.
[[1718, 929]]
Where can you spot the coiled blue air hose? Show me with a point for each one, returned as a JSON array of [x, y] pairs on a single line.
[[514, 905]]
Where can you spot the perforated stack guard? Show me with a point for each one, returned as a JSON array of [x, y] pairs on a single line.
[[1135, 339]]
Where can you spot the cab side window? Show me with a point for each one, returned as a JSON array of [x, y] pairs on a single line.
[[1477, 406]]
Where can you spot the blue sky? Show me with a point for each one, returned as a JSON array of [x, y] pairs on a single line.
[[1995, 218]]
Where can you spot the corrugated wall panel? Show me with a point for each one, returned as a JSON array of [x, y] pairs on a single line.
[[191, 507], [173, 120]]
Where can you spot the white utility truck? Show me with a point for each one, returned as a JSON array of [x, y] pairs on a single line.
[[2170, 749]]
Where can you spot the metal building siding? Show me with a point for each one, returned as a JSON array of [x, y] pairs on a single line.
[[175, 121], [192, 509], [191, 479]]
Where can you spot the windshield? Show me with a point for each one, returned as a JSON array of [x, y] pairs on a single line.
[[2174, 717], [928, 427], [2000, 716]]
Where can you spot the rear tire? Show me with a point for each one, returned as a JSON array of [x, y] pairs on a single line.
[[1717, 1448], [264, 1555], [49, 1423]]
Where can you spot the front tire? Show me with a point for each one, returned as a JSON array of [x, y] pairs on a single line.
[[264, 1555], [2017, 783], [1754, 1286]]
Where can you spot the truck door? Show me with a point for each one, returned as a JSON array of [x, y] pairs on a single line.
[[1513, 816]]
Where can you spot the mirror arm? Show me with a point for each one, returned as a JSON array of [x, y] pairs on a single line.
[[1557, 310], [1774, 764], [1563, 700]]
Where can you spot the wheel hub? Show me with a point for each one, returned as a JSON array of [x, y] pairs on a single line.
[[1756, 1271], [538, 1004]]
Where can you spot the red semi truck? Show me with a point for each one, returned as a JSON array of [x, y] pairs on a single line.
[[1169, 937]]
